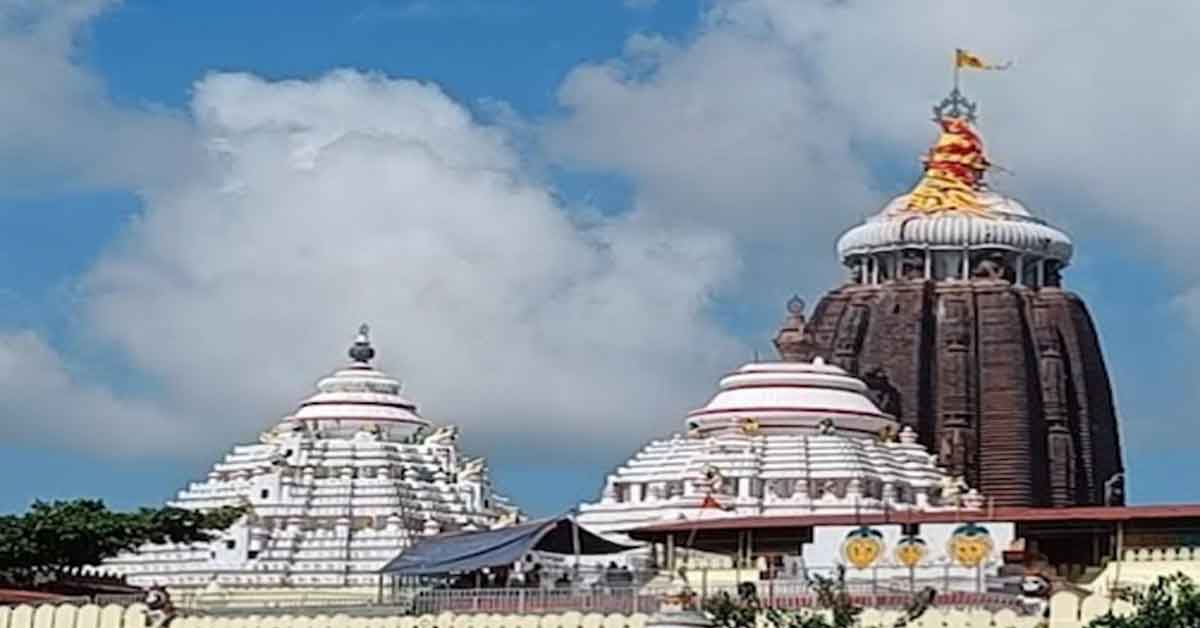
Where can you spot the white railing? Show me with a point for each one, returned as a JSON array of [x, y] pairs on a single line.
[[1155, 554]]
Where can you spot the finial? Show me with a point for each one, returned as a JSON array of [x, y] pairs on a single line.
[[955, 106], [795, 305], [361, 351]]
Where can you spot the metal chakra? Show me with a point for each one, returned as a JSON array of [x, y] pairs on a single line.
[[955, 105]]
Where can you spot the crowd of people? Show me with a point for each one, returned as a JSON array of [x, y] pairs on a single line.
[[534, 577]]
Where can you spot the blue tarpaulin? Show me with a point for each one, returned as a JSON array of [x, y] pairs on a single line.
[[467, 551]]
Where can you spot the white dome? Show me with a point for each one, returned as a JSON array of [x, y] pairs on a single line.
[[791, 396], [1007, 225], [778, 439], [358, 397]]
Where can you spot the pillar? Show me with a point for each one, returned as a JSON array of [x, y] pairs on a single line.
[[966, 263], [928, 264], [1020, 269]]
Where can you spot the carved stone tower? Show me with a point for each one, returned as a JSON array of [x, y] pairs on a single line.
[[954, 307]]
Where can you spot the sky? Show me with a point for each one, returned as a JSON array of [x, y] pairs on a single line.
[[563, 220]]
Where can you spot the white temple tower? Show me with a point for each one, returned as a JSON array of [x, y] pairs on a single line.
[[334, 491]]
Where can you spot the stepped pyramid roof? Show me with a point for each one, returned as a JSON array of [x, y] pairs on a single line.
[[333, 492]]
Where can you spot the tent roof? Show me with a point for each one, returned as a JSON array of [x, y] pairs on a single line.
[[467, 551]]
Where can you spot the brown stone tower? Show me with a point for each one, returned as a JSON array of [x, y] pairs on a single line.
[[954, 314]]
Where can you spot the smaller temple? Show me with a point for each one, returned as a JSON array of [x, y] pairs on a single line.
[[333, 492], [802, 442]]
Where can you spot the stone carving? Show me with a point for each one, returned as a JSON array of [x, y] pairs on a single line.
[[793, 341], [473, 470], [912, 265], [882, 392], [826, 489], [991, 267], [159, 608], [444, 435], [952, 488], [852, 330], [1114, 490], [711, 480], [779, 489], [826, 427], [280, 432]]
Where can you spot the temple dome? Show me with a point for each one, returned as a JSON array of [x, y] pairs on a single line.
[[778, 438], [790, 396], [360, 396], [1003, 224]]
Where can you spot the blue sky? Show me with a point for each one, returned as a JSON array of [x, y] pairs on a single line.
[[690, 233]]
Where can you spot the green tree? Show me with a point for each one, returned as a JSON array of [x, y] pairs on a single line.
[[832, 597], [67, 534], [1171, 601]]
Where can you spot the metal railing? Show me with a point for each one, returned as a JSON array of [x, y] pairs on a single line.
[[790, 596], [602, 590]]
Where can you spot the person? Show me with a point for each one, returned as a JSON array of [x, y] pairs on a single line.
[[611, 574], [625, 576], [501, 577], [533, 579], [563, 581]]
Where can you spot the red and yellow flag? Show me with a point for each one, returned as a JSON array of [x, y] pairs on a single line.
[[966, 59]]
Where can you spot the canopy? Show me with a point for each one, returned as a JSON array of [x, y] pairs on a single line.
[[467, 551]]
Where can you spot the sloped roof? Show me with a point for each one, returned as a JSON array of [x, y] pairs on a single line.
[[467, 551]]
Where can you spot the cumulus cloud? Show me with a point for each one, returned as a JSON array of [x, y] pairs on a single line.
[[775, 119], [355, 197], [60, 127], [729, 130], [281, 214], [785, 122], [46, 404]]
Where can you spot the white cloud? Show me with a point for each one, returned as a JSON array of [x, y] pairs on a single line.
[[44, 403], [321, 203], [60, 127], [355, 197], [727, 131], [764, 122]]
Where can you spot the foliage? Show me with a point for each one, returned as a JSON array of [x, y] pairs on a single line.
[[65, 534], [728, 611], [741, 612], [1171, 601]]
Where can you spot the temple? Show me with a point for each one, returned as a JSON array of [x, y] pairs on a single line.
[[332, 492], [947, 405], [800, 442], [953, 311]]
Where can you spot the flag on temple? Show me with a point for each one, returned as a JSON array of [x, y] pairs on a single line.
[[965, 59], [711, 502]]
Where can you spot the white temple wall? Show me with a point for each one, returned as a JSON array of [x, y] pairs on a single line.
[[230, 549], [826, 550]]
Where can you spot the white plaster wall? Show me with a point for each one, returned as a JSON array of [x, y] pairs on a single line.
[[826, 551]]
